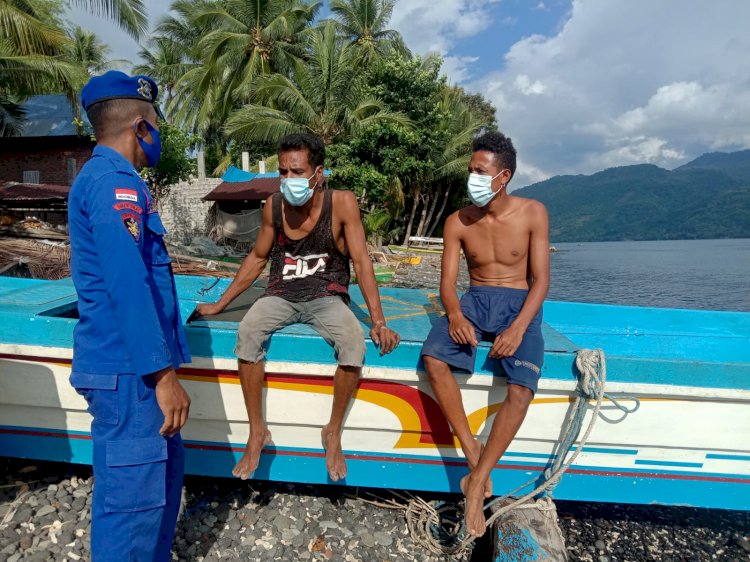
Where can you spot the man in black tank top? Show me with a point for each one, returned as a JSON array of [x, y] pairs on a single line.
[[309, 235]]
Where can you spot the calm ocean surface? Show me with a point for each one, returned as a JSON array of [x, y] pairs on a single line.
[[699, 274]]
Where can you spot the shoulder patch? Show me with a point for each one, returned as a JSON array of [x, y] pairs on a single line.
[[133, 225], [123, 194], [127, 206]]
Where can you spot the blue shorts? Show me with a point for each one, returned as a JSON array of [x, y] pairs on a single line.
[[491, 310]]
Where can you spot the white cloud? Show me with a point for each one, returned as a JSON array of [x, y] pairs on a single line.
[[636, 150], [438, 25], [524, 85], [457, 69], [625, 82], [526, 174]]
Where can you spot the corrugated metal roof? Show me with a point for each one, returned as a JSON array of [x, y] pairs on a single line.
[[258, 189], [239, 185], [12, 191]]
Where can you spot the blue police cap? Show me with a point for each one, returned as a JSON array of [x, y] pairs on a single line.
[[114, 85]]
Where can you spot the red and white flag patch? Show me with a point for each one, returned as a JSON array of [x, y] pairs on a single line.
[[122, 194]]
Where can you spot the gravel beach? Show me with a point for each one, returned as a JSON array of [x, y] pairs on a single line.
[[45, 515]]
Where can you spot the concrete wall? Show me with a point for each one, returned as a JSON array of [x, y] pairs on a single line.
[[184, 212]]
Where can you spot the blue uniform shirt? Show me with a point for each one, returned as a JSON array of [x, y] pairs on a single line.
[[127, 301]]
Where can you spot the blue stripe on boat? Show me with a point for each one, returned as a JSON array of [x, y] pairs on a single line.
[[670, 463], [610, 451], [723, 457]]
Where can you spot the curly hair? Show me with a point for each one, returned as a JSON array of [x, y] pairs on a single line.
[[316, 149], [499, 145]]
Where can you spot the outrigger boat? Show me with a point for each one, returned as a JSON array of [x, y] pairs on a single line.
[[687, 444]]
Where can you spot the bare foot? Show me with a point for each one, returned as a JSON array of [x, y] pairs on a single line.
[[335, 461], [251, 457], [472, 459], [474, 513]]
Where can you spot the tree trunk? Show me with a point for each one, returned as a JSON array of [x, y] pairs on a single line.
[[428, 220], [407, 234], [442, 210], [423, 216]]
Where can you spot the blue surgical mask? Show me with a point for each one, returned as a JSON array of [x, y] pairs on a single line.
[[152, 150], [297, 191], [480, 189]]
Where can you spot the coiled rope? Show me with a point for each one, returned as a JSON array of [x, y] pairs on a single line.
[[440, 528]]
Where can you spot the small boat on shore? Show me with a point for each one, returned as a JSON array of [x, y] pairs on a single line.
[[687, 444]]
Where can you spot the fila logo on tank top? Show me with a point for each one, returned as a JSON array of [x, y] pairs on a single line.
[[299, 267]]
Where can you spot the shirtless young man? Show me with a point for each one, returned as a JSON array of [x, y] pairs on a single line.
[[310, 235], [506, 242]]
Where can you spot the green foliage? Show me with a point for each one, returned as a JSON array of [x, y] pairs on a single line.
[[230, 44], [38, 56], [324, 97], [363, 24], [734, 164], [393, 168], [175, 164], [482, 109], [240, 75], [645, 202]]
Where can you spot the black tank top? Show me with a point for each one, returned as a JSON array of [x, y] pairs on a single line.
[[309, 268]]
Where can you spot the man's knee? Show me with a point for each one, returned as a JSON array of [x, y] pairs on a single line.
[[266, 316], [519, 397], [353, 371], [346, 334], [436, 368]]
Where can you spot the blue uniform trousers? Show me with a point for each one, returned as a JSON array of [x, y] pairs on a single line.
[[138, 473]]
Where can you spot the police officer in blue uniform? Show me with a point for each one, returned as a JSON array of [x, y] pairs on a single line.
[[130, 338]]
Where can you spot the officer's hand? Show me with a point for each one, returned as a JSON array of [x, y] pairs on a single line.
[[385, 338], [173, 401], [207, 309]]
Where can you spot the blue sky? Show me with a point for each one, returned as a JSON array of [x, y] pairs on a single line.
[[581, 85]]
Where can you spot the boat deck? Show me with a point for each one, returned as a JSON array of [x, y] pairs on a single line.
[[687, 344]]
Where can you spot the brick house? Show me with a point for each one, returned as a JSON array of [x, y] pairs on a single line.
[[38, 166], [49, 145]]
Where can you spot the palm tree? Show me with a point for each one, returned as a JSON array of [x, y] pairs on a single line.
[[322, 97], [35, 51], [32, 41], [239, 41], [166, 61], [86, 50], [456, 127], [460, 125], [130, 15], [11, 116], [363, 23]]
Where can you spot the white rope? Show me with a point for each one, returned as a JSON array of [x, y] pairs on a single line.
[[423, 519]]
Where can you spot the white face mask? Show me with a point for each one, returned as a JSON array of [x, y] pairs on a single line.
[[297, 191], [480, 189]]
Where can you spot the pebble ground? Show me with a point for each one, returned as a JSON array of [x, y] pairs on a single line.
[[45, 516]]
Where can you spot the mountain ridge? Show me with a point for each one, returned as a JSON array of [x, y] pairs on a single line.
[[709, 197]]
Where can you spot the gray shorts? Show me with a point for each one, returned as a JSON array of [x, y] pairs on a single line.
[[331, 317]]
